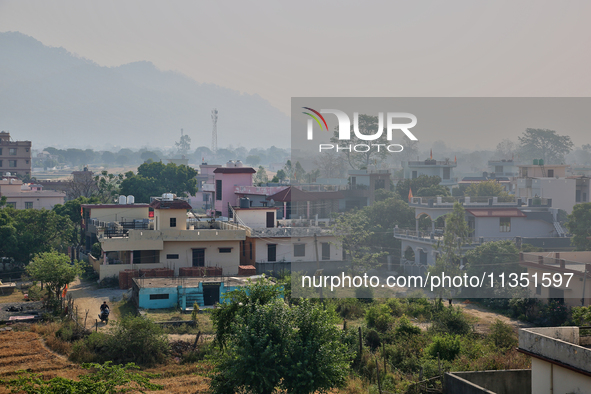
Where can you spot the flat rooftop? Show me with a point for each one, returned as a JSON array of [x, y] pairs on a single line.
[[151, 283]]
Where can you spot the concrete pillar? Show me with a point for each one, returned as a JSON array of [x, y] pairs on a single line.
[[131, 258], [284, 210], [417, 225], [104, 258], [307, 209], [433, 226]]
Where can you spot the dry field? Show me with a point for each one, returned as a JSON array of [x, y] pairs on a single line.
[[25, 350]]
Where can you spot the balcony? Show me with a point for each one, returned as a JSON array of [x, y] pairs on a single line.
[[470, 202]]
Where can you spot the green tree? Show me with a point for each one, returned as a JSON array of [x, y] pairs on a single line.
[[149, 155], [422, 181], [253, 160], [281, 175], [275, 346], [108, 186], [153, 179], [579, 224], [545, 144], [184, 144], [72, 210], [54, 270], [8, 236], [38, 231], [368, 125], [454, 237], [433, 191], [261, 175], [490, 188], [102, 379]]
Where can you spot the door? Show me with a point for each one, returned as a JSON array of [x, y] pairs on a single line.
[[270, 219], [325, 251], [211, 294], [198, 257], [272, 252]]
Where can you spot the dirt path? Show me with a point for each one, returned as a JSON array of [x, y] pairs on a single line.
[[87, 297], [485, 318]]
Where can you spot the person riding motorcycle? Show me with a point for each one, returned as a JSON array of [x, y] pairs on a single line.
[[104, 306], [104, 315]]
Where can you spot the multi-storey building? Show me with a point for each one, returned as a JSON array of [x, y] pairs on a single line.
[[29, 196], [15, 156], [430, 167]]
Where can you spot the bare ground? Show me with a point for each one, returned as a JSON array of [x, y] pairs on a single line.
[[485, 318]]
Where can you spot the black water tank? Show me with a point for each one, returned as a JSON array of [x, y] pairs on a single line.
[[245, 202]]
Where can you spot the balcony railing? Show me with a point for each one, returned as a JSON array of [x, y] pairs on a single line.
[[445, 202]]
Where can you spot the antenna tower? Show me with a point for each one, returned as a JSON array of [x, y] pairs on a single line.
[[214, 132]]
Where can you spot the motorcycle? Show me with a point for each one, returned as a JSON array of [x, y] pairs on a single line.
[[104, 316]]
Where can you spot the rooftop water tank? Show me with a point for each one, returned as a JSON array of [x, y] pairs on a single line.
[[130, 199], [238, 163], [541, 161], [245, 202], [122, 200], [536, 162], [230, 164]]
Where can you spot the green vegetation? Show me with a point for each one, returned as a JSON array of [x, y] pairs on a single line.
[[102, 379], [54, 270], [578, 225]]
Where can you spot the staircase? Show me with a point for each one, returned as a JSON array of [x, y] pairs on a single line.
[[559, 230]]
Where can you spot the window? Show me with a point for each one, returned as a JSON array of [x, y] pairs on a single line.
[[578, 196], [414, 175], [499, 170], [272, 252], [446, 173], [539, 289], [159, 296], [550, 173], [0, 151], [12, 151], [28, 205], [299, 250], [11, 204], [0, 163], [218, 190], [380, 184], [172, 256], [172, 222], [225, 250], [12, 163], [505, 225], [250, 250], [353, 180], [27, 161], [26, 150], [325, 251]]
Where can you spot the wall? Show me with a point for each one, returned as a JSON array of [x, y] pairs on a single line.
[[229, 262], [520, 227], [119, 214], [40, 200], [229, 181], [147, 303], [162, 219], [517, 381], [553, 379], [255, 218], [285, 247]]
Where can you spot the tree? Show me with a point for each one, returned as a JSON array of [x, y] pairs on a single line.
[[72, 210], [261, 175], [579, 224], [102, 379], [489, 188], [545, 144], [149, 155], [156, 178], [275, 346], [492, 258], [368, 125], [108, 186], [454, 237], [506, 149], [253, 160], [8, 236], [38, 231], [54, 270], [422, 181], [184, 144], [433, 191], [281, 176], [330, 164]]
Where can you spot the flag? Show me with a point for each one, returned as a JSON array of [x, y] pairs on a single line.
[[410, 194], [455, 159], [65, 291], [431, 154]]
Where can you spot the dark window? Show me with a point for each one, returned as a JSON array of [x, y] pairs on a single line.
[[414, 175], [299, 250], [0, 162], [505, 225], [11, 204], [446, 173], [499, 170], [578, 196], [584, 197], [272, 252], [28, 205], [0, 151], [159, 296], [12, 163], [550, 173], [172, 256], [12, 151], [225, 250], [539, 289], [27, 161], [146, 256], [26, 150], [353, 181], [198, 257], [380, 184], [172, 222], [270, 219], [251, 250], [218, 190], [325, 251], [243, 248]]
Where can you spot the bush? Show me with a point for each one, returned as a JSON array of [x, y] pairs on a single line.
[[502, 335], [372, 339], [35, 293], [364, 294], [112, 281], [395, 306], [451, 320], [446, 346], [378, 316], [349, 308], [406, 328]]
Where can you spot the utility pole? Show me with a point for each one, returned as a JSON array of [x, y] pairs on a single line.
[[318, 263], [214, 132], [584, 285]]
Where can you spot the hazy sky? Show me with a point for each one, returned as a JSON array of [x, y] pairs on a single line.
[[280, 49]]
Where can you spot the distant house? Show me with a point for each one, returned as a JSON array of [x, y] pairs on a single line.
[[430, 167], [15, 156], [29, 196]]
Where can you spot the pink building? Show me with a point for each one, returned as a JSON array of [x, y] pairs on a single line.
[[225, 181]]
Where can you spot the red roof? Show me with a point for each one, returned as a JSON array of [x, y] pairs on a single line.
[[295, 194], [234, 170], [175, 204], [497, 213]]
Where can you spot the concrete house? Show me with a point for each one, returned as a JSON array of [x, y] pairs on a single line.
[[29, 196], [488, 219], [169, 240], [225, 181], [441, 168], [15, 156]]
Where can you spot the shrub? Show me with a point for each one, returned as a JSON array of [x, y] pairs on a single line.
[[35, 293], [502, 335], [406, 328], [378, 316], [372, 339], [451, 320], [349, 308], [364, 294], [395, 306], [112, 281], [446, 346]]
